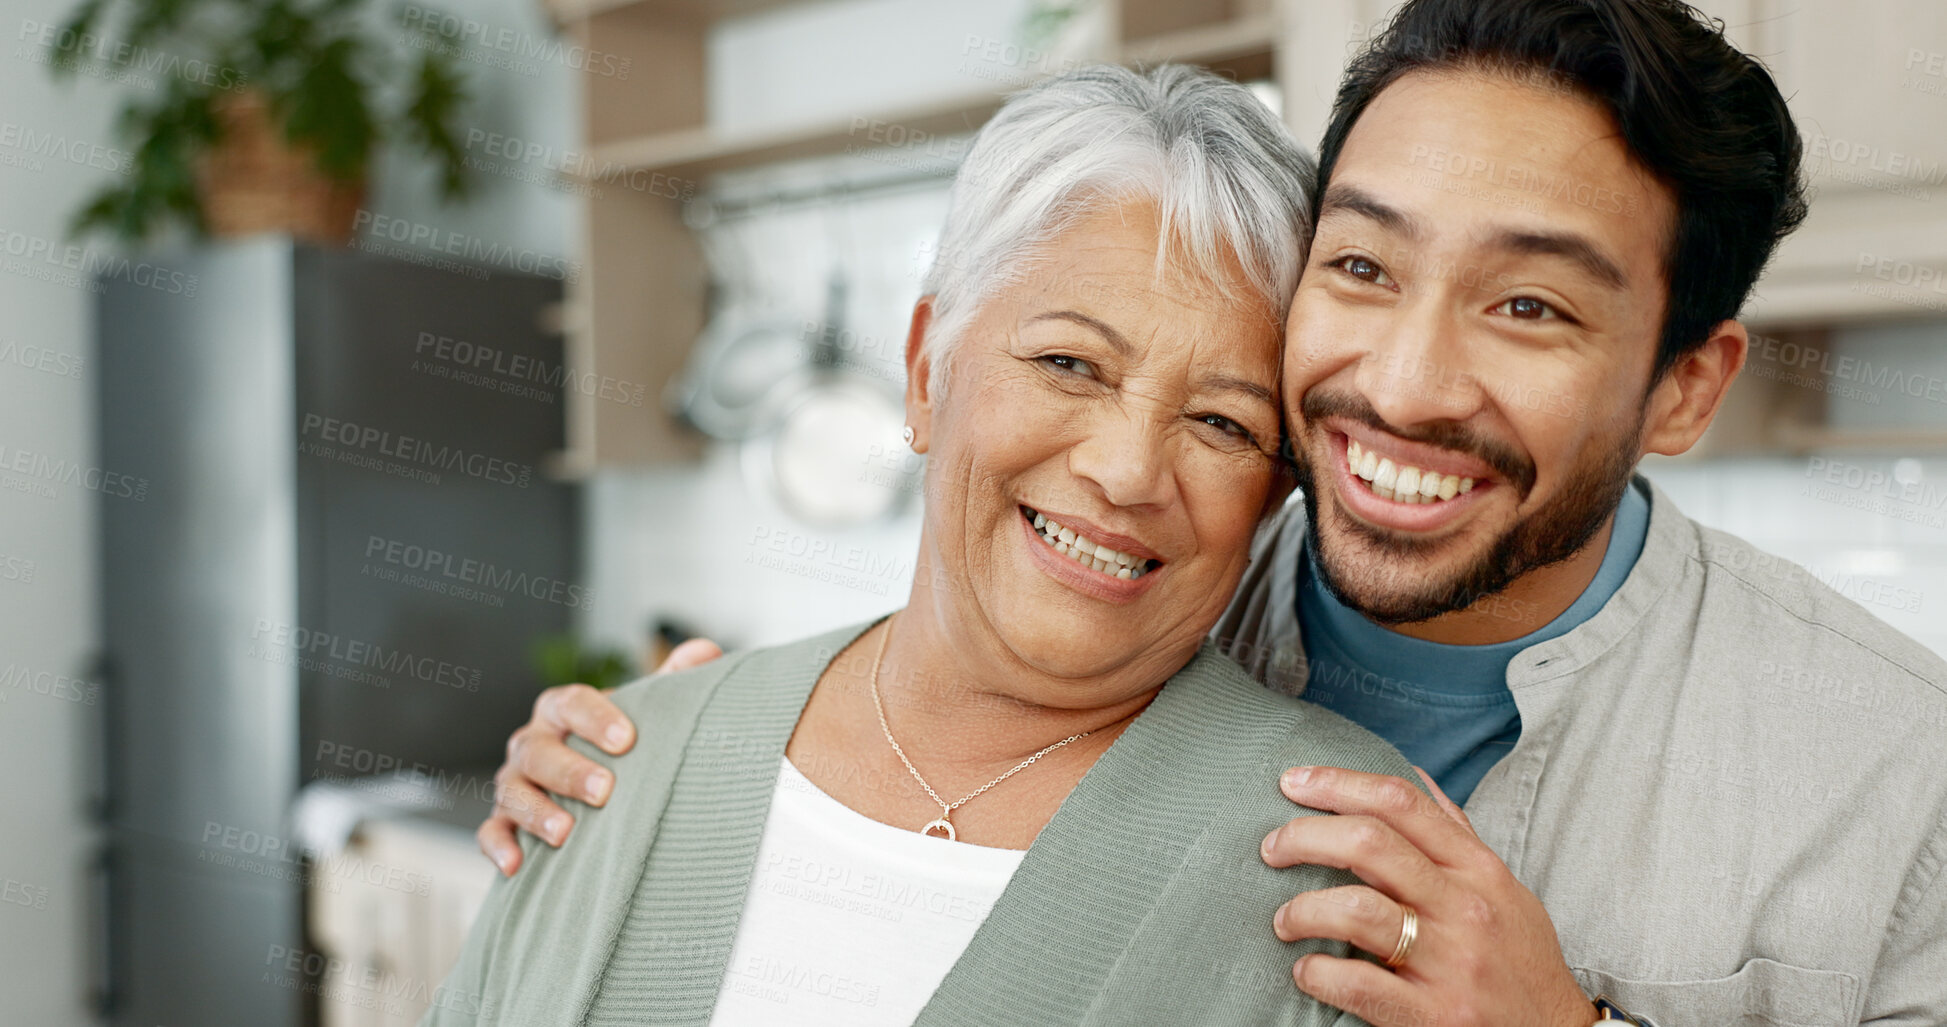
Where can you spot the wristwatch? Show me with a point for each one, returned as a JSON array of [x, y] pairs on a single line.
[[1613, 1012]]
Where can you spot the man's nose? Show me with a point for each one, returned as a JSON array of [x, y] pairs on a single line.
[[1418, 371]]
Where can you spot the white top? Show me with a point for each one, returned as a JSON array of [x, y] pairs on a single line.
[[850, 921]]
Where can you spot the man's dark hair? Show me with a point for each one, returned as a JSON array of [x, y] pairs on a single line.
[[1706, 120]]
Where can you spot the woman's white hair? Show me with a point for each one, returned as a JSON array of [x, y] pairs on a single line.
[[1227, 178]]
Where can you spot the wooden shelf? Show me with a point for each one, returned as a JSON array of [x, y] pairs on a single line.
[[693, 153], [639, 306], [674, 10], [1242, 48]]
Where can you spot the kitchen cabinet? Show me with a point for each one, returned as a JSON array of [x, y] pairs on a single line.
[[1869, 94], [640, 302]]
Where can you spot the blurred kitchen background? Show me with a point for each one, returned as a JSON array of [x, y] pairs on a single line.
[[297, 518]]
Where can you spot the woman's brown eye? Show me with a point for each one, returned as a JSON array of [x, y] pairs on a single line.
[[1360, 267], [1527, 308]]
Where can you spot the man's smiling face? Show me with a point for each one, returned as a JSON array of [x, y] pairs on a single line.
[[1471, 345]]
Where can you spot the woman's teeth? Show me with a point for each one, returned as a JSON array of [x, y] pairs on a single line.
[[1085, 552], [1399, 483]]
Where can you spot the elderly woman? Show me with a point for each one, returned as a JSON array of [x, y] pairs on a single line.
[[1019, 799]]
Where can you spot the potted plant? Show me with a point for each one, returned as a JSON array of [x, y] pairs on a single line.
[[564, 659], [265, 114]]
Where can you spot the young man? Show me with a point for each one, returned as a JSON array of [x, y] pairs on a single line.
[[1697, 783]]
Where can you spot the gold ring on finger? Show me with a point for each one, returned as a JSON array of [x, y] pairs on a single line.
[[1409, 932]]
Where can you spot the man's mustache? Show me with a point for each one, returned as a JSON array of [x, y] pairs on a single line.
[[1517, 469]]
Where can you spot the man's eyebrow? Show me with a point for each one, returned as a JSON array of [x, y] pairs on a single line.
[[1576, 248], [1108, 333], [1232, 383], [1354, 200]]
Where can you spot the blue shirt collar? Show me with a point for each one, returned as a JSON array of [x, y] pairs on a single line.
[[1336, 633]]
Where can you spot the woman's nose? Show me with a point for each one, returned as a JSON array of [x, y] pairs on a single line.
[[1126, 457]]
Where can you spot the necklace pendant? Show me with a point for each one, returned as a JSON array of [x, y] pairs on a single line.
[[941, 824]]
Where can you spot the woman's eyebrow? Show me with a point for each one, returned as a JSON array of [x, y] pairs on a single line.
[[1108, 333], [1232, 383]]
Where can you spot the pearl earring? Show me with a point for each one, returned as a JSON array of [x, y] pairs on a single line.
[[908, 434]]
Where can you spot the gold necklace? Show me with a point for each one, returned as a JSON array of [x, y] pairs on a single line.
[[943, 821]]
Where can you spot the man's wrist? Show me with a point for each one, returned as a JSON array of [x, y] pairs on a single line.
[[1609, 1012]]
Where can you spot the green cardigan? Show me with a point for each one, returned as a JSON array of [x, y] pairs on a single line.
[[1142, 902]]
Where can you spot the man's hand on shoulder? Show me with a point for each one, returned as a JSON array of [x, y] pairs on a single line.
[[539, 761], [1464, 942]]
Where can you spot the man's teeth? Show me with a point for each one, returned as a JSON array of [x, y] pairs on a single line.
[[1399, 483], [1087, 553]]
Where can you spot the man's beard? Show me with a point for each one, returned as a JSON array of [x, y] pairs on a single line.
[[1589, 495]]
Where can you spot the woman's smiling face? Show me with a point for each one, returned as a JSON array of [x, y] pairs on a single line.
[[1135, 410]]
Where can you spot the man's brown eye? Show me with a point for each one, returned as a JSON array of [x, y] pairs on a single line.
[[1524, 307]]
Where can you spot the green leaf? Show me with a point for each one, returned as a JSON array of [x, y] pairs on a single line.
[[439, 94], [67, 52], [327, 109]]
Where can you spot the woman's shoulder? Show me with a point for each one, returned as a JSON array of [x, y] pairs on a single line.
[[1313, 735], [668, 708]]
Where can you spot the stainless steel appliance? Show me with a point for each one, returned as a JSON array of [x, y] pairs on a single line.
[[343, 547]]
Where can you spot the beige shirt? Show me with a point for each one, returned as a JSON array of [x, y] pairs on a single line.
[[1730, 789]]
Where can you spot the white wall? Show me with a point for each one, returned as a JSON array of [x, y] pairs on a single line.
[[833, 61], [1870, 525], [46, 623], [47, 552]]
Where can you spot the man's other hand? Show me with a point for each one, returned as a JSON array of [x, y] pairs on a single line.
[[539, 761]]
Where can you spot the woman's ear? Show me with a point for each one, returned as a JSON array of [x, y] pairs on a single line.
[[919, 375]]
